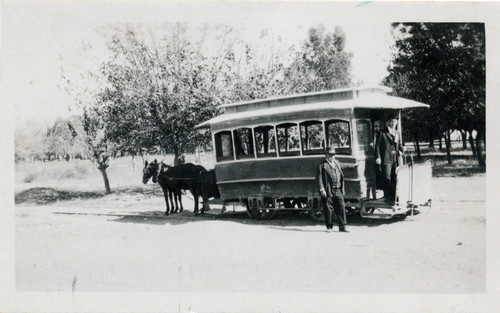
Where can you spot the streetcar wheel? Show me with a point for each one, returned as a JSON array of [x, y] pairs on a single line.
[[261, 210], [261, 213], [317, 214]]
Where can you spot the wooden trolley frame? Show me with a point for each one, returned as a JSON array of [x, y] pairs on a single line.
[[268, 152]]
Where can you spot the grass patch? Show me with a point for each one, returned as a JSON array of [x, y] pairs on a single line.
[[47, 195], [44, 195], [457, 171], [462, 165]]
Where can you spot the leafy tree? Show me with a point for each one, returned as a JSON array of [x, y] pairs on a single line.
[[442, 65], [89, 129], [158, 91], [251, 79], [36, 139], [321, 63], [96, 141], [61, 138]]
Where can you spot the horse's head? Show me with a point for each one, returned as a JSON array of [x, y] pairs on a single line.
[[149, 171]]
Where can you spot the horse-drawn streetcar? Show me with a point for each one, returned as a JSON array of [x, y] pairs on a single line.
[[267, 151]]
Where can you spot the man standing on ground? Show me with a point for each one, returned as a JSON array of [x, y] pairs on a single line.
[[388, 149], [330, 181]]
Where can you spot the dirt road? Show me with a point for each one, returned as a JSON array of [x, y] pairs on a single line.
[[128, 245]]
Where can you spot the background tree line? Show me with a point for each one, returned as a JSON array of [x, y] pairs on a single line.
[[154, 87], [442, 64], [39, 141]]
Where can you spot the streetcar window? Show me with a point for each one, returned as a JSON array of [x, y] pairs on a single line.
[[265, 141], [311, 133], [243, 143], [224, 146], [363, 129], [338, 134], [288, 139]]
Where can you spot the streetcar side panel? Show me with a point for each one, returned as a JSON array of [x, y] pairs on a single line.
[[282, 177]]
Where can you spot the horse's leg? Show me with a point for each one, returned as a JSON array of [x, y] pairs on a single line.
[[194, 192], [197, 203], [172, 198], [165, 193], [179, 195], [205, 205], [204, 201]]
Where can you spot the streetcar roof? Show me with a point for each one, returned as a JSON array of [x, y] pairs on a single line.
[[381, 89], [365, 98]]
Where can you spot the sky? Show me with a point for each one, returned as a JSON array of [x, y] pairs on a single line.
[[40, 37]]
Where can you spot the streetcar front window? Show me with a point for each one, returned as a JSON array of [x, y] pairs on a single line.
[[363, 129]]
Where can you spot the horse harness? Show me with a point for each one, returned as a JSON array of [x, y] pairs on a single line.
[[158, 173]]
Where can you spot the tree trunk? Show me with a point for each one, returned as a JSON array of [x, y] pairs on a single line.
[[464, 139], [431, 141], [479, 153], [448, 146], [142, 158], [197, 155], [178, 157], [440, 142], [472, 145], [106, 180]]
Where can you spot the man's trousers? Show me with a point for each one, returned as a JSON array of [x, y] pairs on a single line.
[[389, 180], [334, 205]]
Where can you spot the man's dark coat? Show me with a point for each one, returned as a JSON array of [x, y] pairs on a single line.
[[331, 179], [388, 147], [327, 179]]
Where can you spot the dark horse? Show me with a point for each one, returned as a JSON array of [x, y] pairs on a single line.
[[208, 187], [173, 179], [152, 170]]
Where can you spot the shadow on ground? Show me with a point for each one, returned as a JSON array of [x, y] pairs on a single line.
[[282, 220]]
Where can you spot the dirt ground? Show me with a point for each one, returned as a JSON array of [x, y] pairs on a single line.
[[121, 243]]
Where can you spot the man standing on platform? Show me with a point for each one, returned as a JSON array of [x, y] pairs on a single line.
[[330, 181], [388, 149]]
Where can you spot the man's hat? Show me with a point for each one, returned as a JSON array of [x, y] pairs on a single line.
[[330, 150]]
